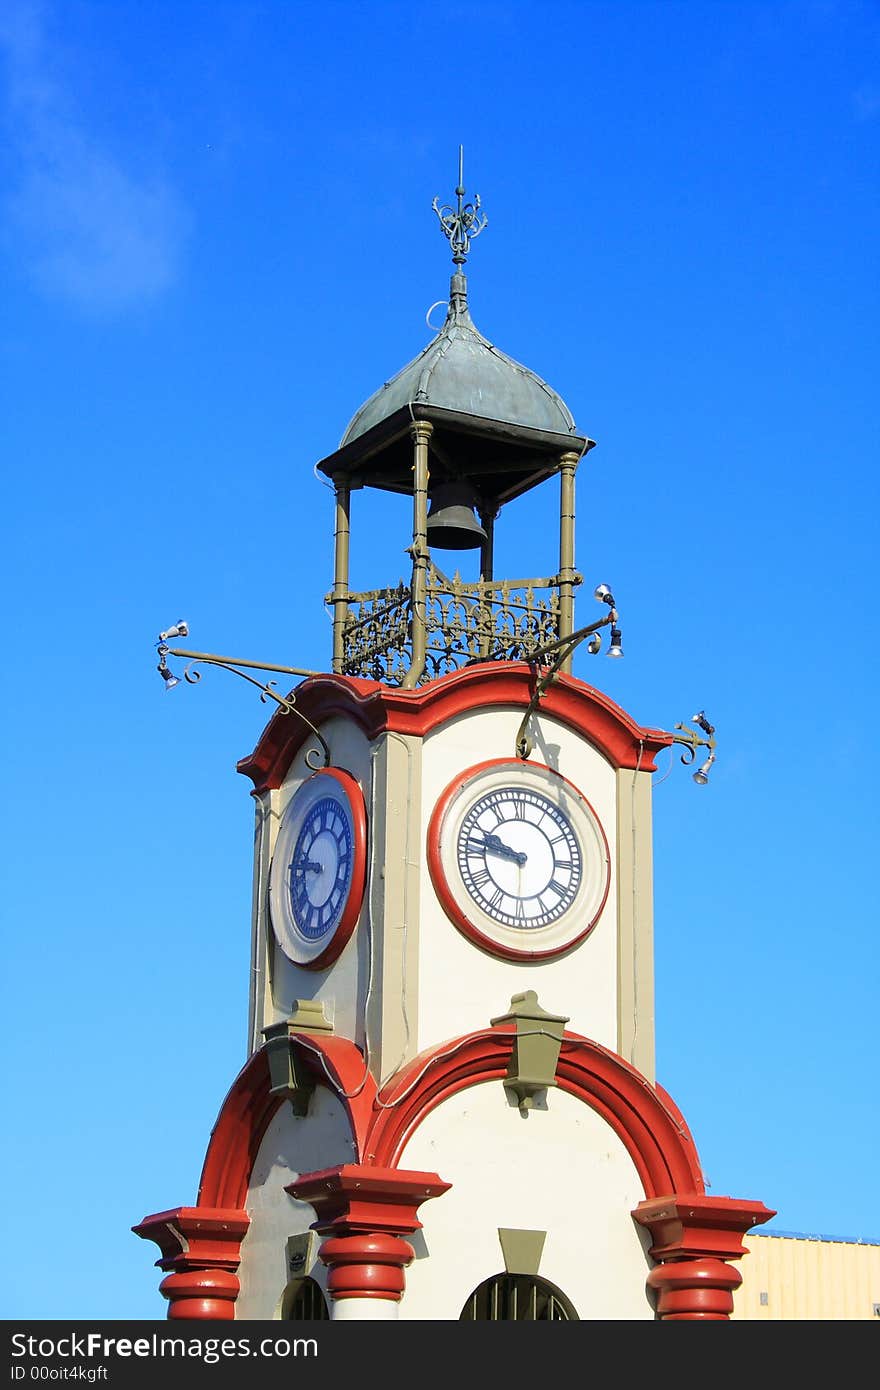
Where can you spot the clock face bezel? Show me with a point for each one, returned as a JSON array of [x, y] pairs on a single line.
[[311, 949], [569, 913]]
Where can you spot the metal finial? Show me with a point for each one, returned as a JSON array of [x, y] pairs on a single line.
[[462, 223]]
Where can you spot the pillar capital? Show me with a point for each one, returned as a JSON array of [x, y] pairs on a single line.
[[693, 1238], [421, 431], [201, 1250], [365, 1213]]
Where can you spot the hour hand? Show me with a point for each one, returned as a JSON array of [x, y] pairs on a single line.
[[305, 864], [495, 846]]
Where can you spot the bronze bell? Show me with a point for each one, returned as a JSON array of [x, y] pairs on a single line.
[[452, 523]]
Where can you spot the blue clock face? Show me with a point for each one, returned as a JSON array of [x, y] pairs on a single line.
[[317, 875], [320, 870]]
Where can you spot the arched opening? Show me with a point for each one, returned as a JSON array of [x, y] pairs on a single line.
[[304, 1301], [517, 1298]]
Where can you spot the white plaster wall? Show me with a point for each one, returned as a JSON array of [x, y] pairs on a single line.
[[460, 986], [561, 1170], [291, 1145]]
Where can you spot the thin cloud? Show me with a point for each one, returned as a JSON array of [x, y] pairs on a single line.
[[82, 226], [867, 102]]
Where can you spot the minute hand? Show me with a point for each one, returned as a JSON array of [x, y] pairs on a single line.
[[496, 846]]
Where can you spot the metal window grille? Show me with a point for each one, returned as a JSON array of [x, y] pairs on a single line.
[[307, 1303], [517, 1298]]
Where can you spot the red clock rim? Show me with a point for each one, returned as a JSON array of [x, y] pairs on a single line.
[[455, 913], [349, 919]]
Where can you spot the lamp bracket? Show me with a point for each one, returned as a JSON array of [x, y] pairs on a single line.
[[692, 741], [286, 703], [558, 652]]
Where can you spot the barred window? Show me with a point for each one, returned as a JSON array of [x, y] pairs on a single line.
[[304, 1301], [517, 1298]]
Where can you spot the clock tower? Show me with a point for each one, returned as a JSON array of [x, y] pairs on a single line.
[[449, 1109]]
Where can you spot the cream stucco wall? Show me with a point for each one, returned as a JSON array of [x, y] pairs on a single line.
[[408, 978], [291, 1145], [461, 986], [561, 1170]]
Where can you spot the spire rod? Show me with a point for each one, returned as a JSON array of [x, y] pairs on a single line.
[[463, 222]]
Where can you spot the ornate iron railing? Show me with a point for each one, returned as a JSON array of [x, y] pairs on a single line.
[[465, 622]]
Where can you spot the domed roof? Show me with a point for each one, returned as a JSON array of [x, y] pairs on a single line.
[[462, 371], [494, 424]]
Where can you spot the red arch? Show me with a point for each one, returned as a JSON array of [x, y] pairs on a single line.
[[249, 1107], [644, 1117]]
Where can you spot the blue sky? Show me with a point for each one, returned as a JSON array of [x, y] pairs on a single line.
[[216, 240]]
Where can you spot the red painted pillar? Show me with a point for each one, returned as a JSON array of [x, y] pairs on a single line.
[[693, 1238], [201, 1249], [365, 1214]]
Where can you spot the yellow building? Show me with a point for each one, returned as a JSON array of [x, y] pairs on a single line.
[[804, 1278]]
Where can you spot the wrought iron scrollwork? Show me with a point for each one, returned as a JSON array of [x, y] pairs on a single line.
[[463, 222], [286, 703], [465, 622]]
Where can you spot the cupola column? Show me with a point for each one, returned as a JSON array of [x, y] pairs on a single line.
[[567, 577], [340, 575], [487, 574], [420, 431]]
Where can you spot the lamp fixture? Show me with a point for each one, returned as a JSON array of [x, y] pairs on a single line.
[[614, 646], [168, 676], [701, 776], [180, 629], [602, 594], [692, 741]]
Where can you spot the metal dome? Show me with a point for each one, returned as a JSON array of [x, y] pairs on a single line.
[[462, 371]]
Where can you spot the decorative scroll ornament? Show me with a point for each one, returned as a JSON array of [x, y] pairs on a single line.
[[463, 222], [286, 703]]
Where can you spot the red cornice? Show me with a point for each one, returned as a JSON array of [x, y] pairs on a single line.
[[377, 708], [699, 1227], [363, 1197]]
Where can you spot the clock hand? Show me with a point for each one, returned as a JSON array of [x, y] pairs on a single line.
[[309, 864], [496, 846]]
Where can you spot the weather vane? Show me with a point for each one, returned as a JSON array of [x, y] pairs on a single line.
[[462, 223]]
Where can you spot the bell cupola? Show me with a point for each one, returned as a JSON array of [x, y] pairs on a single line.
[[462, 429]]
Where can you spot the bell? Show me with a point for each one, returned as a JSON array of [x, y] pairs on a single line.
[[452, 523]]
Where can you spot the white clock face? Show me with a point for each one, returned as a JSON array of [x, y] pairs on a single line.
[[519, 859], [318, 868]]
